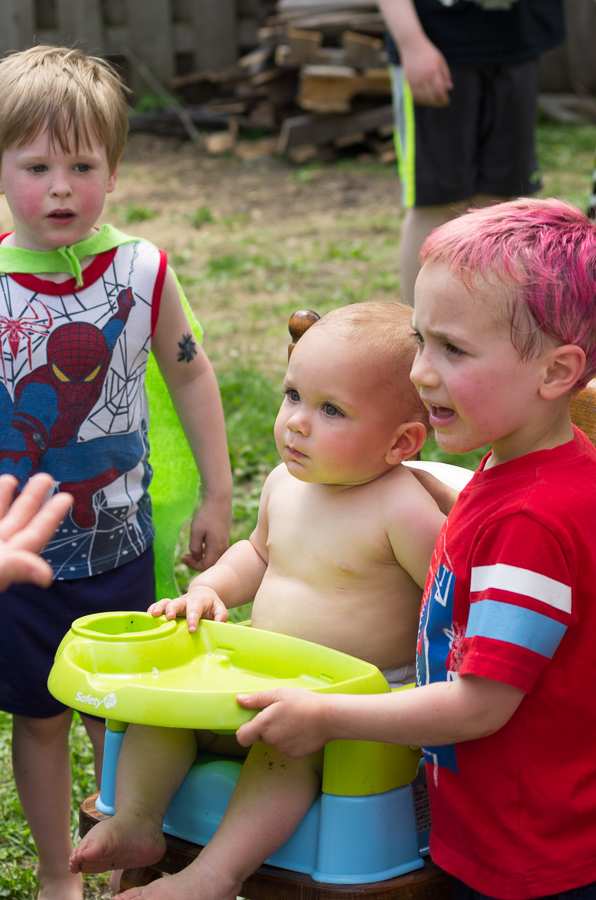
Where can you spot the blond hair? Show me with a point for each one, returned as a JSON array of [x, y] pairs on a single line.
[[382, 338], [62, 91]]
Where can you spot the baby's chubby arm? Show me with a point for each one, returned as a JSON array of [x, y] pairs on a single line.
[[191, 382], [299, 722], [414, 523], [232, 581]]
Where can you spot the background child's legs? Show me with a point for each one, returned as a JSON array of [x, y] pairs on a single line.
[[96, 731], [42, 772], [418, 223]]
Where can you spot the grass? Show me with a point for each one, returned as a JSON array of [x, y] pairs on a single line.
[[17, 851], [251, 276]]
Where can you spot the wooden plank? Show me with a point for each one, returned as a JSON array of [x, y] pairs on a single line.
[[284, 5], [79, 25], [363, 51], [214, 25], [331, 23], [151, 41], [303, 45], [326, 89], [181, 10], [114, 13], [45, 14], [299, 131], [17, 24], [581, 28]]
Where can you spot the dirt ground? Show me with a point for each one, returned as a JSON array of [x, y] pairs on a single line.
[[253, 239], [279, 238]]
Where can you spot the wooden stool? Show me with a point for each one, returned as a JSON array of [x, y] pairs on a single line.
[[270, 883]]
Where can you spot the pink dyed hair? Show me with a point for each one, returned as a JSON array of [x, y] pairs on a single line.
[[544, 253]]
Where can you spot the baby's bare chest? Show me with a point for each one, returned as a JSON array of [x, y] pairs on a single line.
[[343, 536]]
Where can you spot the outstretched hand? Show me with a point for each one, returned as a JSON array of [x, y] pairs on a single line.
[[292, 720], [25, 527]]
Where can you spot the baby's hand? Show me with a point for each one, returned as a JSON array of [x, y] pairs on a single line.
[[200, 603]]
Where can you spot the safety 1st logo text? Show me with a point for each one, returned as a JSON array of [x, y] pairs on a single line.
[[109, 701]]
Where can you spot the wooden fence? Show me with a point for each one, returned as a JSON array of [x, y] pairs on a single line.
[[169, 37], [175, 37]]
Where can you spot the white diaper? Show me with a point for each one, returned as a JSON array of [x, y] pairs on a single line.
[[400, 676]]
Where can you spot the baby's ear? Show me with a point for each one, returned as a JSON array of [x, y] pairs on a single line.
[[407, 441], [565, 368]]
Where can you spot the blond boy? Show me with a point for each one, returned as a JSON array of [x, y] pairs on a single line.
[[85, 306], [339, 555]]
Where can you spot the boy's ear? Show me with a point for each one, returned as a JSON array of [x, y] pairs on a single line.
[[564, 368], [112, 179], [407, 441]]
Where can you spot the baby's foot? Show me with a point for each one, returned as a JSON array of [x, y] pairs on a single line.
[[197, 880], [69, 887], [130, 839]]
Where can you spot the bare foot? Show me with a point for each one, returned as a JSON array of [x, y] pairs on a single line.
[[69, 887], [197, 880], [130, 839]]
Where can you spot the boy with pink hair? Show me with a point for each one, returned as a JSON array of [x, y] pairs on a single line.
[[505, 315]]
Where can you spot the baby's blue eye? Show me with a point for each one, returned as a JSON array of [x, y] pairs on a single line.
[[331, 411], [293, 395]]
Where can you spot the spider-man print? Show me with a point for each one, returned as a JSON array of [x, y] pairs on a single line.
[[41, 426], [25, 326]]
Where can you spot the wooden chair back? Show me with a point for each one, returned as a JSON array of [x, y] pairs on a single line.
[[583, 411]]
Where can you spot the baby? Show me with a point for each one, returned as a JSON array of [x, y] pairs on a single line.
[[339, 556]]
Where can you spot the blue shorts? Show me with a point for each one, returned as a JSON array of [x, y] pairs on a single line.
[[33, 621], [482, 143], [461, 891]]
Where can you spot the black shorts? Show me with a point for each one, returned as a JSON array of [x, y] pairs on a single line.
[[482, 143], [33, 621]]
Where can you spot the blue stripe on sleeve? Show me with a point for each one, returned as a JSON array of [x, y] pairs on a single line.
[[515, 625]]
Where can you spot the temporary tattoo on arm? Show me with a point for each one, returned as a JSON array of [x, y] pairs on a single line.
[[188, 348]]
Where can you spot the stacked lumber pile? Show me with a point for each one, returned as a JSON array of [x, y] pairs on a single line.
[[316, 83]]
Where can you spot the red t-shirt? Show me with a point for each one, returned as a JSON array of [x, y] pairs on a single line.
[[511, 596]]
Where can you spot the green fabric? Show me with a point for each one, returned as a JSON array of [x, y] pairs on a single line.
[[65, 259], [175, 481]]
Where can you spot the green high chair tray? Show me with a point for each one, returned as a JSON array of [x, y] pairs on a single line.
[[132, 667]]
